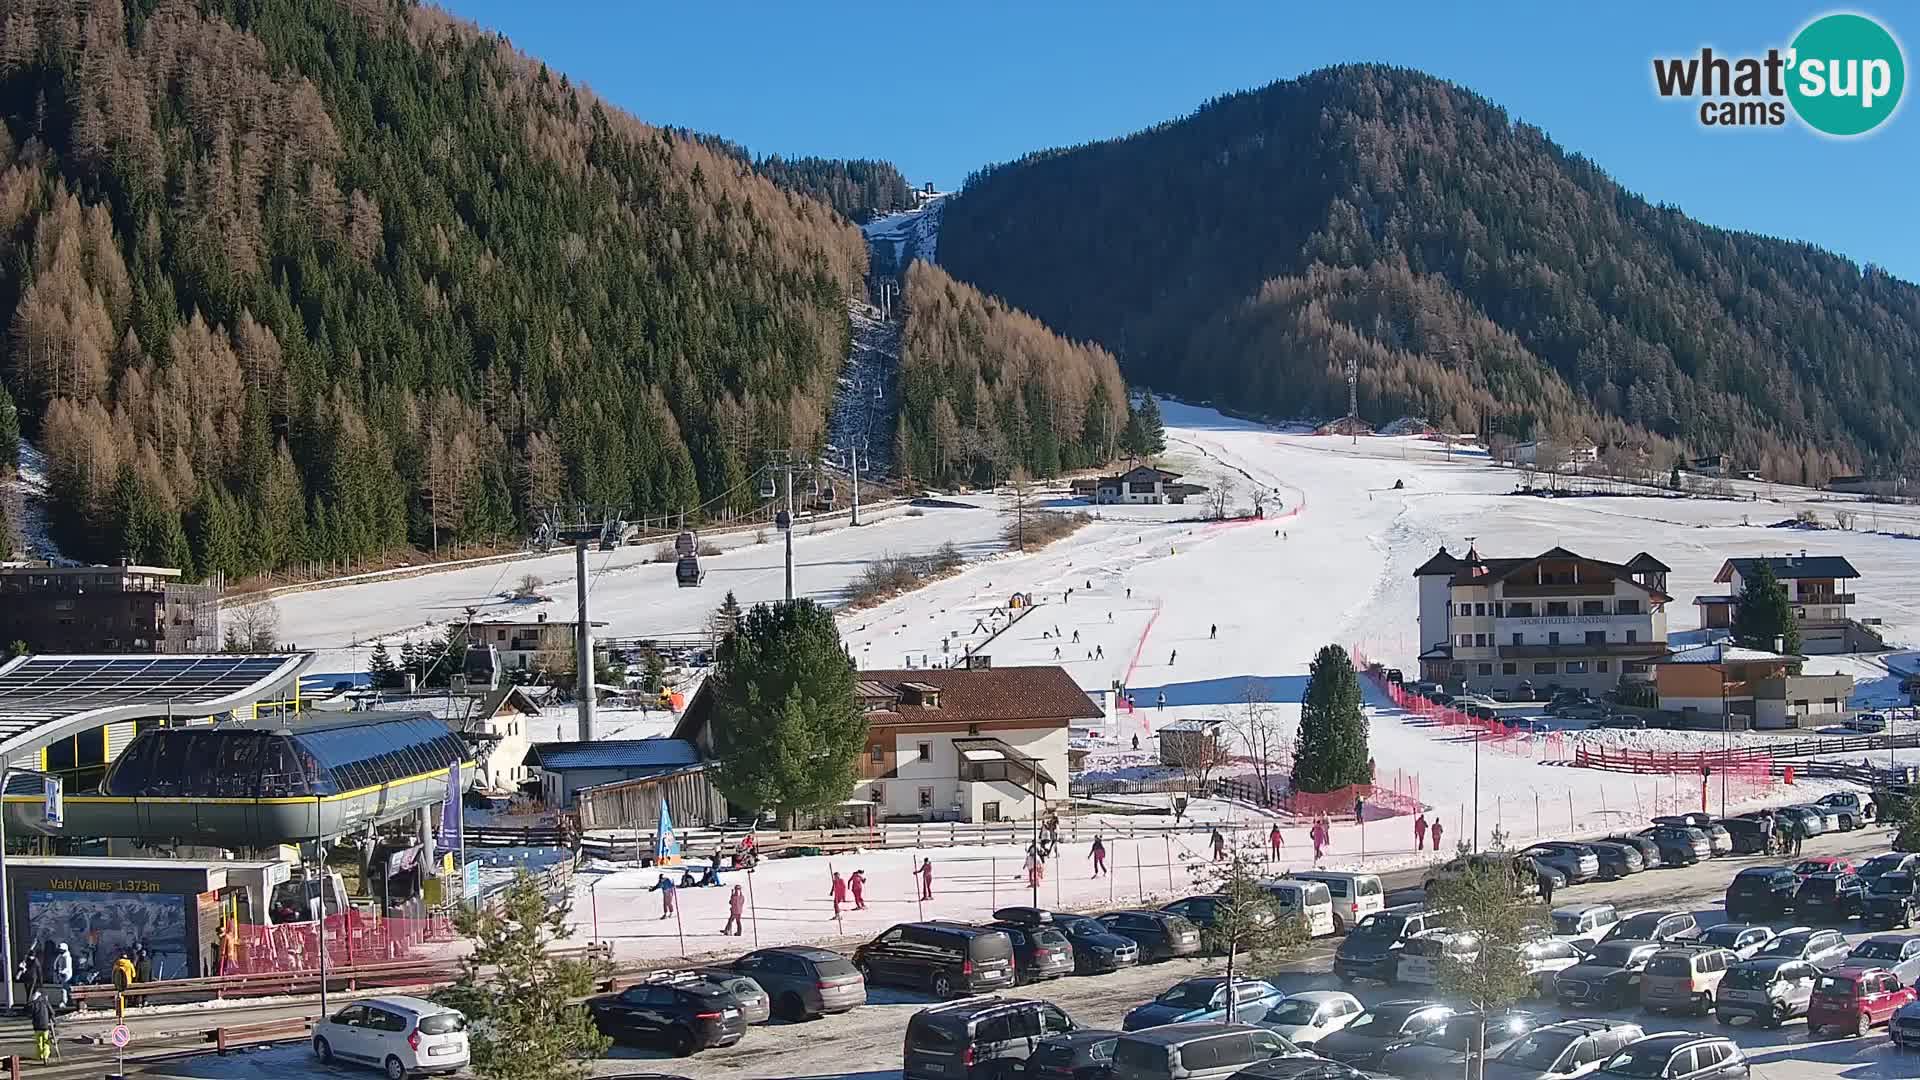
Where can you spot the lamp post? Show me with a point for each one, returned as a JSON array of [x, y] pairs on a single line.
[[7, 773]]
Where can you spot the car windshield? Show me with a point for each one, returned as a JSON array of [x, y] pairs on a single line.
[[1812, 866], [1833, 987], [1048, 938], [1877, 950], [1788, 944], [1381, 925], [1080, 924], [1648, 1061], [1293, 1011], [1536, 1052], [1612, 955], [1670, 964], [1749, 978], [445, 1023], [1189, 995], [1378, 1025], [1725, 935], [1892, 884], [1639, 926]]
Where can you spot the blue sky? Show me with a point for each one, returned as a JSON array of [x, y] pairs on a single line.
[[943, 89]]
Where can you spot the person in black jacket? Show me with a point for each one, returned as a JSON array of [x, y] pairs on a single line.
[[40, 1011]]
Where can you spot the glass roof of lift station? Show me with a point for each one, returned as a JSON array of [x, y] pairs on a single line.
[[302, 761]]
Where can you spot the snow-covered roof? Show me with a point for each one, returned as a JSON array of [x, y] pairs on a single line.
[[1721, 653]]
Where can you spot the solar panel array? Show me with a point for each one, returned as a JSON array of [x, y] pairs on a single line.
[[40, 688]]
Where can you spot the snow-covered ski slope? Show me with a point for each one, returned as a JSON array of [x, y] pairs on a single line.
[[912, 234]]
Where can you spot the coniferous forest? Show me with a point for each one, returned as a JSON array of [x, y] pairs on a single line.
[[292, 280], [1481, 276]]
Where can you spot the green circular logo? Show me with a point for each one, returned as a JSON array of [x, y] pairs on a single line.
[[1847, 74]]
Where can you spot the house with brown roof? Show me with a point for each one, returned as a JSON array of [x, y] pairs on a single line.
[[1553, 620], [978, 743], [1821, 589]]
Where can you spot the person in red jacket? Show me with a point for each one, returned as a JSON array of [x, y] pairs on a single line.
[[926, 879], [857, 885], [1275, 841], [1436, 834], [838, 892], [1420, 832], [736, 906]]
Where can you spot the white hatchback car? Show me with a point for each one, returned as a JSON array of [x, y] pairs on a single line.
[[1303, 1019], [403, 1036]]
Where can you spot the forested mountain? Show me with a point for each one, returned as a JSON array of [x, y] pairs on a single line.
[[986, 390], [859, 189], [293, 280], [1480, 275]]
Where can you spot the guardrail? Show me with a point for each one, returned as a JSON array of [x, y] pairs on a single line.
[[1667, 761]]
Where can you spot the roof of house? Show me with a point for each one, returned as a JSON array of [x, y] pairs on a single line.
[[1442, 562], [967, 696], [661, 754], [1137, 473], [978, 749], [1720, 652], [1789, 567], [1191, 725], [1478, 571]]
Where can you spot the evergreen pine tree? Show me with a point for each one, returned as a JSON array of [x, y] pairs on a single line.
[[9, 433], [380, 670], [1765, 613], [1331, 747], [409, 661], [726, 618], [1153, 431], [1133, 437], [787, 731]]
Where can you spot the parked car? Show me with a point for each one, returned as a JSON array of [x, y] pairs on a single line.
[[1822, 864], [1562, 1051], [1870, 723], [1579, 710], [1741, 939], [1301, 1068], [1719, 839], [1856, 999], [1206, 911], [402, 1036], [1814, 820], [1619, 722], [684, 1016], [1661, 926], [1769, 991], [1422, 959], [1609, 977], [1372, 949], [1679, 845], [1824, 949], [1617, 860], [1893, 900], [1761, 893], [1081, 1054], [1355, 896], [1305, 1018], [1649, 850], [1382, 1029], [1861, 805], [941, 958], [1576, 862], [1892, 862], [1546, 958], [756, 1006], [1039, 952], [1897, 953], [804, 982], [1441, 1053], [1522, 691], [1680, 1055], [1205, 997], [1201, 1051], [977, 1038], [1830, 898], [1582, 924], [1096, 948], [1160, 935], [1904, 1028], [1747, 835], [1684, 979]]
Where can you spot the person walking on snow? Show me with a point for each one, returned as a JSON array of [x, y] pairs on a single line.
[[926, 879], [1435, 833], [736, 906], [1546, 888], [1219, 846], [1099, 856], [1175, 655], [857, 885], [1419, 832], [1163, 699], [1056, 652], [1275, 840], [1034, 866], [1076, 637], [838, 891], [1319, 834], [665, 888], [40, 1010], [1213, 631]]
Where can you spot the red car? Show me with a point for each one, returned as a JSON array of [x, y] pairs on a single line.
[[1855, 999], [1822, 864]]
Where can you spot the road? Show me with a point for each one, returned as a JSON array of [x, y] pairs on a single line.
[[865, 1044]]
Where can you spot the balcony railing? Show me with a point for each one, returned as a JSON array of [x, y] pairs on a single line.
[[1824, 598], [1584, 648], [1576, 588]]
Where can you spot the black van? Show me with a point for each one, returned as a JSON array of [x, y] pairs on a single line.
[[941, 957], [1761, 894], [978, 1037]]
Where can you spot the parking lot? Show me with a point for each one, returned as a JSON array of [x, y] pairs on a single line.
[[866, 1043]]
